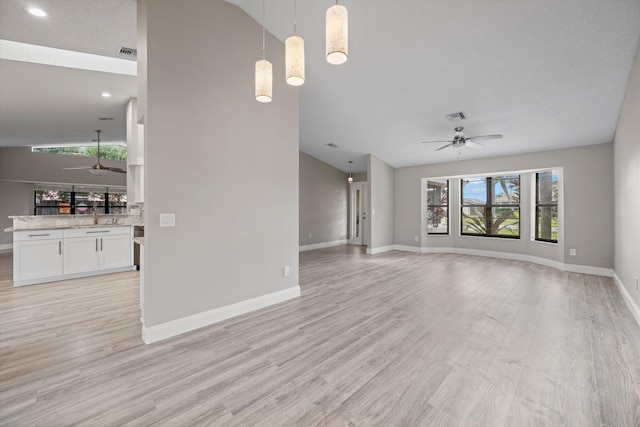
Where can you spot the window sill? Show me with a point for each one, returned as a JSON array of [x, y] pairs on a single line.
[[545, 242]]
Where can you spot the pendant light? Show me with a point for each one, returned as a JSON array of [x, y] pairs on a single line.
[[264, 72], [294, 55], [350, 177], [337, 35]]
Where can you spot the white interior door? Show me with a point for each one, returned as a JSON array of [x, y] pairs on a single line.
[[357, 206]]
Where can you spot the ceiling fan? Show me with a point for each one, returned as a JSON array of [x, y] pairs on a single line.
[[459, 140], [99, 169]]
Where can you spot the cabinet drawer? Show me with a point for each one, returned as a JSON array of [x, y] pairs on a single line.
[[27, 235], [96, 231]]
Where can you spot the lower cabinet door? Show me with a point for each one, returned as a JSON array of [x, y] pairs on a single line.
[[37, 259], [81, 255], [115, 251]]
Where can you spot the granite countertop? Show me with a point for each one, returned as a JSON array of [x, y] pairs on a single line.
[[138, 240], [53, 227]]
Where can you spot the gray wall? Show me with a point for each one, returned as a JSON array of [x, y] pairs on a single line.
[[359, 176], [16, 198], [323, 202], [226, 165], [588, 202], [627, 182], [380, 225], [21, 164]]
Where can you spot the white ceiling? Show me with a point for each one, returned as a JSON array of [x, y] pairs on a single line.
[[545, 74], [45, 104]]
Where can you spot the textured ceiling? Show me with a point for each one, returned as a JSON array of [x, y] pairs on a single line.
[[545, 74]]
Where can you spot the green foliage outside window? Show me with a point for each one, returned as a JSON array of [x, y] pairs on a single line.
[[110, 152]]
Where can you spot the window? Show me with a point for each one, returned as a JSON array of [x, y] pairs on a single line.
[[52, 202], [490, 206], [111, 152], [547, 206], [438, 206], [61, 201]]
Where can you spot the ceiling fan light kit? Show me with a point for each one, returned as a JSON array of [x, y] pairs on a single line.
[[98, 171]]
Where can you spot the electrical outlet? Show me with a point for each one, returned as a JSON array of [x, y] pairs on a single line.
[[416, 238], [286, 271], [309, 235], [572, 251]]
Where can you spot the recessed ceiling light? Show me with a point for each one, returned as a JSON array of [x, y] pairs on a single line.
[[106, 95], [36, 12]]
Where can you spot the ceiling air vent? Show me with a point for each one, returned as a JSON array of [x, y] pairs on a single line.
[[105, 118], [456, 117], [128, 52]]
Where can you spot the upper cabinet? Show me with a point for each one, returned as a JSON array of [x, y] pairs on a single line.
[[135, 154]]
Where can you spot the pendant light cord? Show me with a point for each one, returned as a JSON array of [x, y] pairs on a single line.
[[263, 33], [295, 14]]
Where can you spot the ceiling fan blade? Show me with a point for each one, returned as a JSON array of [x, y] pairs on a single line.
[[472, 144], [113, 169], [83, 167], [444, 146], [429, 142], [483, 137]]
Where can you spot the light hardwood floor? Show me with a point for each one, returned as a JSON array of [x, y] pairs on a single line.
[[394, 339]]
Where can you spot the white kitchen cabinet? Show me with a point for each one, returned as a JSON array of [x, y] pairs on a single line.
[[115, 251], [50, 255], [81, 255], [97, 249], [37, 255]]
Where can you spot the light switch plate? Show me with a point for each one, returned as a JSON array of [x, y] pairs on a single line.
[[167, 220]]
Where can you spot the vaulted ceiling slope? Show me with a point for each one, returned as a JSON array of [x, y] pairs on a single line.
[[544, 74]]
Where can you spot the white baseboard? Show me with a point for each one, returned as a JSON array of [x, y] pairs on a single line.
[[635, 310], [7, 246], [404, 248], [381, 249], [72, 276], [163, 331], [322, 245], [585, 269]]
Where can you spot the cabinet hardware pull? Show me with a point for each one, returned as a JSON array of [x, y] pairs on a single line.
[[101, 244], [59, 247], [96, 245], [38, 235], [93, 232]]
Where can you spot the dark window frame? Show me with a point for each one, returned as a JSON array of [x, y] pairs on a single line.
[[488, 208], [104, 207], [446, 207], [538, 206]]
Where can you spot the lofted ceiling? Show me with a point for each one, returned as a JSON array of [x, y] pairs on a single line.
[[546, 75]]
